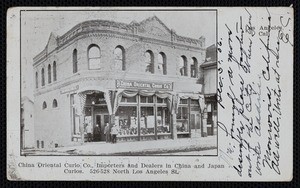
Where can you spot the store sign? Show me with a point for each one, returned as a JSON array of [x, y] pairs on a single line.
[[127, 84]]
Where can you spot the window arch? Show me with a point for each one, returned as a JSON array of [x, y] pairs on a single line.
[[49, 74], [54, 71], [36, 79], [54, 103], [162, 63], [94, 56], [75, 68], [119, 55], [44, 105], [43, 76], [183, 66], [194, 68], [149, 61]]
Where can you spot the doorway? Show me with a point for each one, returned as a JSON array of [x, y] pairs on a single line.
[[196, 125], [100, 120]]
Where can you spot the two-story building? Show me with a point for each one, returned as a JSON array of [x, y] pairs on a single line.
[[142, 77]]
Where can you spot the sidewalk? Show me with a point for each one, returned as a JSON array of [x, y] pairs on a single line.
[[154, 147]]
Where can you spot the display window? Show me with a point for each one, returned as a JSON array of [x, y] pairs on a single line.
[[127, 121], [163, 120], [147, 120], [182, 117]]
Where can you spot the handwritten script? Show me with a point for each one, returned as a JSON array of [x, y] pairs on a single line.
[[250, 62]]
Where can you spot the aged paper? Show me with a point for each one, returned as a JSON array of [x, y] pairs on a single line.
[[147, 94]]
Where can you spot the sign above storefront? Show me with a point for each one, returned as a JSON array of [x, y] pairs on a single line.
[[129, 84]]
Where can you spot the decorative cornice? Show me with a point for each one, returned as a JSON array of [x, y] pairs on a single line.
[[121, 28]]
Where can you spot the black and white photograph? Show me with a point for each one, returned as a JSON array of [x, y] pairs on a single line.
[[119, 82], [150, 93]]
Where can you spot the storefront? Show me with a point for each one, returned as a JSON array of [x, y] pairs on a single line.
[[140, 110]]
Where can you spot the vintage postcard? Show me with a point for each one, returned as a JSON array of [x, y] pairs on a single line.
[[150, 94]]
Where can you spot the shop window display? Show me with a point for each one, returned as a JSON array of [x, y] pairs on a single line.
[[147, 121], [163, 120], [182, 119], [127, 121]]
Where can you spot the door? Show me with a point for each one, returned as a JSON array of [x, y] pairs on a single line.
[[101, 120]]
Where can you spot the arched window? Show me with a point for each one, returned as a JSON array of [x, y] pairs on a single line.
[[54, 71], [54, 103], [119, 55], [94, 56], [44, 105], [194, 68], [149, 61], [162, 63], [183, 66], [75, 61], [36, 79], [43, 76], [49, 74]]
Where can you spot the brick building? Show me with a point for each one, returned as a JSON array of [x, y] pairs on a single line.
[[143, 77]]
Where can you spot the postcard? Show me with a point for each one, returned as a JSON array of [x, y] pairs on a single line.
[[150, 93]]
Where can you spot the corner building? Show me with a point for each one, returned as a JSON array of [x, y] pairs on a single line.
[[143, 77]]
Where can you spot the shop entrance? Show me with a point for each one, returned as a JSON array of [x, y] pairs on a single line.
[[100, 120]]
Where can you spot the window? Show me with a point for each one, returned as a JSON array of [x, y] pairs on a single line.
[[49, 74], [183, 66], [162, 63], [75, 61], [149, 61], [36, 79], [54, 71], [94, 56], [194, 68], [146, 99], [127, 121], [54, 104], [44, 105], [147, 120], [182, 116], [43, 76], [119, 55]]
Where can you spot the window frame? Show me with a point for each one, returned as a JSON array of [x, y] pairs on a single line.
[[88, 56], [49, 74], [123, 60], [151, 62], [75, 60], [54, 71], [164, 62], [184, 67]]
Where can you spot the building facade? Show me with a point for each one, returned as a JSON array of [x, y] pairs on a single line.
[[142, 77], [27, 123]]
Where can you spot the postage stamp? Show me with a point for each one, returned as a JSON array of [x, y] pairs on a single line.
[[168, 94]]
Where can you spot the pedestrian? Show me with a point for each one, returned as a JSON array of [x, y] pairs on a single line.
[[97, 132], [107, 132], [114, 133], [89, 130]]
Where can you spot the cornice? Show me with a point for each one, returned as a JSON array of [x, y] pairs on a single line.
[[119, 35]]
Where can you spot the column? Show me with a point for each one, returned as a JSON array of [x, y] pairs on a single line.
[[174, 128], [204, 125]]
